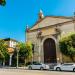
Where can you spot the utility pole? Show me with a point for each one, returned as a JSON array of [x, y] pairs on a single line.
[[17, 59], [17, 49]]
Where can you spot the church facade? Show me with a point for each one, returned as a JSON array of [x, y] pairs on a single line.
[[45, 36]]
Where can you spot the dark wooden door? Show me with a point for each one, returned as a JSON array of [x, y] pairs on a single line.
[[49, 51]]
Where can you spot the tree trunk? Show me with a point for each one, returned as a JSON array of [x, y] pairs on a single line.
[[3, 62], [25, 62]]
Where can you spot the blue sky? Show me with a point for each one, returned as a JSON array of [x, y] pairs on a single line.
[[18, 13]]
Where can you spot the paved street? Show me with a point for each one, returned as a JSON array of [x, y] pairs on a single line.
[[31, 72]]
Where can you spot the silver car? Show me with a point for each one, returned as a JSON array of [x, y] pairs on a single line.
[[65, 67], [40, 66]]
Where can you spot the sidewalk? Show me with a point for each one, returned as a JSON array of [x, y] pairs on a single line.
[[14, 68]]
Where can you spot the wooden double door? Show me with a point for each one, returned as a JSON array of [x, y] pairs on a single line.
[[49, 51]]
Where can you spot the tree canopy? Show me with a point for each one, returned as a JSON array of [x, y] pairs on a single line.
[[25, 50], [3, 2], [67, 45], [3, 51]]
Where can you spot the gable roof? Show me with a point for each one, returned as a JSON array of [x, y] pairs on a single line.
[[49, 21]]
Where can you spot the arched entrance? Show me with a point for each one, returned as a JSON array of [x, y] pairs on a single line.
[[49, 51]]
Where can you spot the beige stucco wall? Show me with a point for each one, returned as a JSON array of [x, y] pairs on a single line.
[[68, 27], [47, 33], [67, 59], [32, 36]]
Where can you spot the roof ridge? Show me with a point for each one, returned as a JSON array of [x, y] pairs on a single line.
[[66, 17]]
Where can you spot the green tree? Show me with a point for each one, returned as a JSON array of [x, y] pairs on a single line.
[[3, 51], [67, 45], [2, 2], [25, 51]]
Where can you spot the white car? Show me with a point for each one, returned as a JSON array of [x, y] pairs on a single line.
[[65, 67], [40, 66]]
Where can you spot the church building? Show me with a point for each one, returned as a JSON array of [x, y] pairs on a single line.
[[45, 35]]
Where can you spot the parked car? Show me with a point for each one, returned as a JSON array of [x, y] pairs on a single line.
[[65, 67], [37, 65]]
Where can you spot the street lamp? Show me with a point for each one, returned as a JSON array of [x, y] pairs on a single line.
[[17, 50]]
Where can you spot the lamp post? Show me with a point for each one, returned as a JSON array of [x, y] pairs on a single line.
[[17, 49]]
